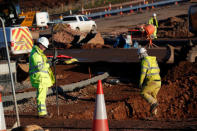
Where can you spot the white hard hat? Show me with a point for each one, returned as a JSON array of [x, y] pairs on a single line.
[[141, 51], [44, 41], [154, 14]]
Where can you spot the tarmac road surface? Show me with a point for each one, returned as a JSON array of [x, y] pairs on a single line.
[[116, 24]]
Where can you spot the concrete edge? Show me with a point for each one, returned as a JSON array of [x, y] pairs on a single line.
[[70, 87]]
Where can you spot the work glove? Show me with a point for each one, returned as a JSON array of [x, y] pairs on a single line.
[[53, 62]]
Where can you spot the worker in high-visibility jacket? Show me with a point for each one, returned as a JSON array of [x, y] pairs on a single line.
[[153, 21], [150, 80], [41, 75]]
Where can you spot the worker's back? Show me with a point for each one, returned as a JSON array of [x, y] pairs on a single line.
[[153, 69]]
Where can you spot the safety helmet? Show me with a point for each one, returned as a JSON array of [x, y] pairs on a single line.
[[141, 51], [44, 41], [154, 14]]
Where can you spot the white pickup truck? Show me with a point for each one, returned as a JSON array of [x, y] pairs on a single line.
[[79, 22]]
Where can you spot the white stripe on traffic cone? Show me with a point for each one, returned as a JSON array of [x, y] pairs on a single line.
[[2, 118], [100, 117]]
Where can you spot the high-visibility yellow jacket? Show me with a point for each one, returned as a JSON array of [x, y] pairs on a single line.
[[149, 70], [153, 21], [39, 70]]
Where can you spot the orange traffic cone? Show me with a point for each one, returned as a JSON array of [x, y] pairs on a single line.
[[71, 12], [131, 11], [109, 6], [152, 5], [140, 9], [106, 13], [61, 17], [2, 119], [147, 8], [121, 10], [100, 117], [82, 10]]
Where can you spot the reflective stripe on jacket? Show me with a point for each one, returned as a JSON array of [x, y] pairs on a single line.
[[153, 21], [149, 70], [39, 70]]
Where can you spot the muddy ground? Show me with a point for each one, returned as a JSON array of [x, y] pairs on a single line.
[[177, 97], [125, 107]]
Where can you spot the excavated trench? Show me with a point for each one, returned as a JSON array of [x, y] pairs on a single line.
[[177, 97], [126, 109]]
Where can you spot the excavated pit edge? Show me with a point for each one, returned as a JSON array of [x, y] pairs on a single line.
[[65, 88]]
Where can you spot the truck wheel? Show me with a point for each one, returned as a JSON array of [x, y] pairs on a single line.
[[94, 28], [192, 55]]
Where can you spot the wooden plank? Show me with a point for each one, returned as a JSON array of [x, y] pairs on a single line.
[[112, 55]]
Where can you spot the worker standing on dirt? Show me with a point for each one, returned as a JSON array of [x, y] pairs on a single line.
[[150, 80], [41, 75], [153, 21]]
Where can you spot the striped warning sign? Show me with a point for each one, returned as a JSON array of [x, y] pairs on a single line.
[[22, 39]]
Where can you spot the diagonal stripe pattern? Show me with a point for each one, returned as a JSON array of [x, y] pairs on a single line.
[[22, 38], [100, 117]]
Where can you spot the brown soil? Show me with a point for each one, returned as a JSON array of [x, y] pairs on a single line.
[[177, 97], [41, 4], [174, 27], [68, 38]]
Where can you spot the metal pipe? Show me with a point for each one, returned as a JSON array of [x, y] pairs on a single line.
[[54, 65], [9, 66]]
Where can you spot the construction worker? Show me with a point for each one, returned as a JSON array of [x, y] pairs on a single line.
[[128, 40], [120, 41], [123, 41], [41, 75], [150, 80], [153, 21]]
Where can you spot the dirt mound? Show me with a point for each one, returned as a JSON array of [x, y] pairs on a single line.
[[41, 4], [174, 27], [64, 35], [178, 94], [182, 70], [177, 97]]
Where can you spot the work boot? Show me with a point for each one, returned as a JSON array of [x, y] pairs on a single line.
[[153, 107], [47, 116], [154, 113]]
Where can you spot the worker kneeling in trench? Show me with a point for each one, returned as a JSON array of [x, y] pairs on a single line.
[[150, 80]]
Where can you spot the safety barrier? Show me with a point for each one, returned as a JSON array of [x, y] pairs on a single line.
[[10, 70], [130, 9], [134, 8]]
